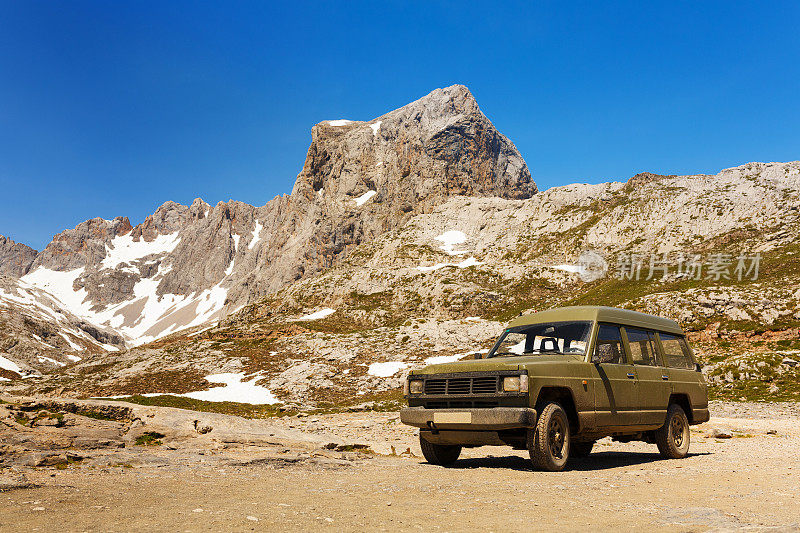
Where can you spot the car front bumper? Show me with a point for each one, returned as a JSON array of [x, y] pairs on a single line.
[[483, 419]]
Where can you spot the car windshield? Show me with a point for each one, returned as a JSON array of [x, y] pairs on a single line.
[[535, 339]]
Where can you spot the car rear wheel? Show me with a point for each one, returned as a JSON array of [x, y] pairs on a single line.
[[673, 437], [439, 454], [581, 449], [549, 441]]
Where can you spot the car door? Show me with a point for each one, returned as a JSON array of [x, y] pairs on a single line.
[[614, 380], [682, 370], [654, 385]]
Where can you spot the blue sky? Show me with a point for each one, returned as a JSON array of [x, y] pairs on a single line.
[[112, 108]]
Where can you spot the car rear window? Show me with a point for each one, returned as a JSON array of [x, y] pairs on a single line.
[[676, 353]]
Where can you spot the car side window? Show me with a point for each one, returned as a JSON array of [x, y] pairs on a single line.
[[608, 346], [643, 347], [676, 353]]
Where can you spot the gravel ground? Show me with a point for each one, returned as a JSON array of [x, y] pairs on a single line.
[[748, 482]]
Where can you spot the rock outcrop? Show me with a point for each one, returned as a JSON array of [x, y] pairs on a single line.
[[81, 246], [15, 258]]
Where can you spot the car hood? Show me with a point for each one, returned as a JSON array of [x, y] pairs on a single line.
[[497, 363]]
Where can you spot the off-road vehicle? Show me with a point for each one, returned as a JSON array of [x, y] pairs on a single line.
[[558, 380]]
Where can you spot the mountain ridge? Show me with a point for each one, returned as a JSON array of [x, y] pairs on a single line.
[[444, 283], [188, 265]]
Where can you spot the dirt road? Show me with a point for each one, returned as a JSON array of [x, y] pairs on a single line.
[[750, 481]]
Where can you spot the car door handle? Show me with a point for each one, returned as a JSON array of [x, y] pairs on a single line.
[[631, 376], [665, 378]]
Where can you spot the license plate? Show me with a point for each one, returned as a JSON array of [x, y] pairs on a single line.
[[452, 418]]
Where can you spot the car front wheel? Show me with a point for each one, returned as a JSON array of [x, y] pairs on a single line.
[[548, 442], [439, 454], [673, 437]]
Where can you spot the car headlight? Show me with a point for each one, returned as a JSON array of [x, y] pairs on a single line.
[[515, 383], [415, 386]]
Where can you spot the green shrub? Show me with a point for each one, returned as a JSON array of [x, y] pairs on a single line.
[[149, 438]]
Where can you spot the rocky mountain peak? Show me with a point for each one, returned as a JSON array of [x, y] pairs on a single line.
[[440, 108], [432, 148], [364, 178], [168, 218], [15, 258], [83, 245]]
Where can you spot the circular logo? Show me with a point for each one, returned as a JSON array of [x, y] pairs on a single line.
[[591, 266]]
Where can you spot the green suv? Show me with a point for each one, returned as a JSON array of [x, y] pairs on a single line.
[[558, 380]]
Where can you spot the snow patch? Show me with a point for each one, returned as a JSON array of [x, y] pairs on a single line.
[[234, 390], [8, 364], [75, 346], [59, 284], [471, 261], [236, 239], [449, 239], [43, 359], [124, 249], [322, 313], [361, 200], [34, 301], [450, 358], [141, 319], [375, 127], [386, 370], [256, 235], [568, 268], [339, 122]]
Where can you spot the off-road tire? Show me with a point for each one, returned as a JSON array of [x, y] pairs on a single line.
[[672, 438], [581, 449], [439, 454], [549, 441]]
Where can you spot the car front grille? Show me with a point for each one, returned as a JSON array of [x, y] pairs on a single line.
[[467, 390], [485, 385], [462, 385], [435, 386]]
